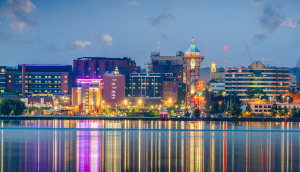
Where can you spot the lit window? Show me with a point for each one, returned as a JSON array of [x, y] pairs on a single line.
[[49, 81], [65, 76], [55, 81], [9, 80], [58, 76], [40, 76], [49, 76], [46, 76], [55, 76], [20, 76], [65, 81], [58, 81], [9, 76]]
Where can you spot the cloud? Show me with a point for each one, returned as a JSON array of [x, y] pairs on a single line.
[[18, 11], [104, 39], [289, 23], [132, 2], [270, 20], [74, 46], [164, 35], [81, 44], [256, 2], [298, 20], [259, 37], [156, 46], [163, 16]]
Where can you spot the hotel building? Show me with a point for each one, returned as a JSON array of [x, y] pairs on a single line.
[[274, 81], [38, 80], [87, 96]]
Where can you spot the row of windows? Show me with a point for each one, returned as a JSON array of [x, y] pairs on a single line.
[[142, 87], [150, 95], [142, 79], [257, 75], [245, 79], [38, 81], [145, 83], [243, 97], [40, 91], [38, 86], [276, 88], [256, 84], [278, 71], [29, 76]]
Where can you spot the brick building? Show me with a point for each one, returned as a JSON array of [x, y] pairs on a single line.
[[113, 89], [95, 67]]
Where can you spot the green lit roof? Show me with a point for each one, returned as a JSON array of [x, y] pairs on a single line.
[[192, 49]]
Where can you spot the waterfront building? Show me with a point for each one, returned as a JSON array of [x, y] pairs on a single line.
[[273, 80], [166, 64], [95, 67], [87, 96], [38, 80], [113, 88], [217, 74], [265, 108], [170, 92], [2, 79]]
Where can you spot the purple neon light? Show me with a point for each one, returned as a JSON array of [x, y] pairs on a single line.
[[89, 79]]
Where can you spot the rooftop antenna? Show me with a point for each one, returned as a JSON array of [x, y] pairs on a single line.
[[248, 52]]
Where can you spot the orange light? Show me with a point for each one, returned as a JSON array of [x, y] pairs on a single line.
[[193, 40], [225, 47]]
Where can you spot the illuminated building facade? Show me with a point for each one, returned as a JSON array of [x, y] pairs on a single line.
[[87, 96], [217, 74], [113, 88], [95, 67], [2, 79], [192, 62], [274, 81], [39, 80]]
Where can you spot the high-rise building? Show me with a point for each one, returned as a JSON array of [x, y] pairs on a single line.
[[95, 67], [38, 80], [274, 81], [113, 88], [2, 79], [87, 96]]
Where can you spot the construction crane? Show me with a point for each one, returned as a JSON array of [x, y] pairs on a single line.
[[248, 51], [297, 66]]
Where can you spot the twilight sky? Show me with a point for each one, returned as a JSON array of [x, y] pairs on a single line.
[[58, 31]]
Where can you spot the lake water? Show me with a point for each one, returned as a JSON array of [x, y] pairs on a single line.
[[99, 145]]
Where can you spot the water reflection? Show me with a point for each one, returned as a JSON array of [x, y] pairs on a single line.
[[139, 146]]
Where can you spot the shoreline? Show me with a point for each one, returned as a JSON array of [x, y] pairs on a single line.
[[147, 118]]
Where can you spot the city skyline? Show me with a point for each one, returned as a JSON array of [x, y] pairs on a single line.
[[56, 32]]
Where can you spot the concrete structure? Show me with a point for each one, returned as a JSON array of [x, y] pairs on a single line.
[[87, 96], [113, 89], [39, 80], [274, 81], [95, 67], [166, 64]]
